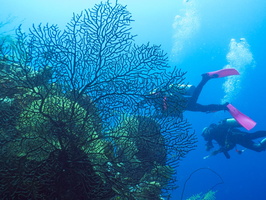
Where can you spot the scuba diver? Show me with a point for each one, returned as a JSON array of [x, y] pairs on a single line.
[[176, 98], [169, 100], [227, 135]]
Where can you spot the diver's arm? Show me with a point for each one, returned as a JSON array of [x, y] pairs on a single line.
[[226, 154], [222, 150], [209, 145], [212, 154]]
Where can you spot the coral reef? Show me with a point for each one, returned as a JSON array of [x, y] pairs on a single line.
[[76, 122], [210, 195]]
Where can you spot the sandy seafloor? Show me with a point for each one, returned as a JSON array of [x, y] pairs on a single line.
[[198, 36]]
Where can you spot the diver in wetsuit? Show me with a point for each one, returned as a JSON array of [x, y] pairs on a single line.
[[170, 100], [192, 104], [227, 135]]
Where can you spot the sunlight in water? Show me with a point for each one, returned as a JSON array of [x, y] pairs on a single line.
[[240, 58], [185, 26]]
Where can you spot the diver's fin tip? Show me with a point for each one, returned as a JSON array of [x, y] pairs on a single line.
[[241, 118], [223, 73]]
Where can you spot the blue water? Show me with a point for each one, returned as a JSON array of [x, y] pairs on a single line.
[[198, 36]]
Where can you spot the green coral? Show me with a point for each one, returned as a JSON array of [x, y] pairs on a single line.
[[49, 124], [142, 155], [61, 98], [210, 195]]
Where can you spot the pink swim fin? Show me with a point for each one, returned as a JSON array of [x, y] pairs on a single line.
[[223, 73], [241, 118]]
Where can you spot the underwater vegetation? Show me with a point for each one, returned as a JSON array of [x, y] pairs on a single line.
[[210, 195], [76, 122]]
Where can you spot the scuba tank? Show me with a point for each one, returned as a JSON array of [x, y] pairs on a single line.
[[231, 122], [184, 89], [174, 89]]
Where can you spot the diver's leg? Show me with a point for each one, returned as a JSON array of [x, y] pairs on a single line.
[[257, 134], [206, 108], [192, 104], [198, 89], [255, 146], [245, 140]]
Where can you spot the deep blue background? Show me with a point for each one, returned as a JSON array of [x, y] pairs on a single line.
[[196, 35]]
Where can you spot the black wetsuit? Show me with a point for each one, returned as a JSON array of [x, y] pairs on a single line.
[[228, 137], [171, 101], [192, 104]]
